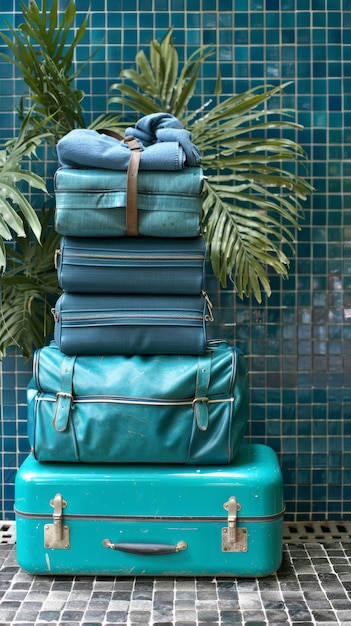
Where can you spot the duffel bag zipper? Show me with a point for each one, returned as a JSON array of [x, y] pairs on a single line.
[[51, 397], [123, 257], [118, 316], [61, 418]]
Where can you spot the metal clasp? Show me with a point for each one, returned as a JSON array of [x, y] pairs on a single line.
[[55, 314], [209, 317], [56, 535], [200, 408], [63, 405], [233, 539], [56, 256], [204, 399]]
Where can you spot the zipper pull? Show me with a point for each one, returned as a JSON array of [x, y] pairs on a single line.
[[209, 317], [55, 315]]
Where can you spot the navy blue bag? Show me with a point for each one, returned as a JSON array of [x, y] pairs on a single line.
[[131, 265], [131, 324]]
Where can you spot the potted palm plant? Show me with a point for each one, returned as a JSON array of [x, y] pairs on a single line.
[[43, 50], [253, 192], [21, 289]]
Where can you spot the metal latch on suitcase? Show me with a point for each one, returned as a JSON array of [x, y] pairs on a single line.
[[233, 539], [56, 535]]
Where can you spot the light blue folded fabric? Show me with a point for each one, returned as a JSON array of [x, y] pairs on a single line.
[[165, 146], [164, 127]]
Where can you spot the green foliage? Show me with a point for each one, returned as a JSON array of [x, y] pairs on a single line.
[[160, 85], [15, 210], [251, 202], [28, 291], [43, 50]]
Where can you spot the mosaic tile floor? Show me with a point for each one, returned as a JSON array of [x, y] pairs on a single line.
[[313, 586]]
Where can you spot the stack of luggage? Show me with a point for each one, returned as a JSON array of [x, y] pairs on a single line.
[[135, 420]]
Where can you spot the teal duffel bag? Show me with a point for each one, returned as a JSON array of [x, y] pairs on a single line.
[[93, 203], [138, 409]]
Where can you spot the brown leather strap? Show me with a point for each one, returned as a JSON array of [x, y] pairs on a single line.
[[132, 187], [111, 133]]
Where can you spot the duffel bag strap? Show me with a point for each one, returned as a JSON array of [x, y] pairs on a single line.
[[200, 402], [64, 398], [132, 186], [132, 180], [110, 133]]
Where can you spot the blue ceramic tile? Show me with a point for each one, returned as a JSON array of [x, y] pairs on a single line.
[[256, 38], [256, 23], [226, 5], [209, 20], [241, 20], [272, 5], [241, 5]]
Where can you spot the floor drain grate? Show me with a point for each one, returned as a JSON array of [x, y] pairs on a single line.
[[7, 532], [316, 532]]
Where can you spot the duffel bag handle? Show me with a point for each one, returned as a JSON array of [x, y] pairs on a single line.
[[152, 549]]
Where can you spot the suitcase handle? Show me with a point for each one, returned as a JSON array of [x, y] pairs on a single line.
[[146, 548]]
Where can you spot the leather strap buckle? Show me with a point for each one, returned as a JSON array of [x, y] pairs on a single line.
[[63, 407]]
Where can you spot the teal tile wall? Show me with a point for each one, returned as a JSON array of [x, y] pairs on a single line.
[[298, 343]]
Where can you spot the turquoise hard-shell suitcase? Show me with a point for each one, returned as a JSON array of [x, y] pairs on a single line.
[[151, 521]]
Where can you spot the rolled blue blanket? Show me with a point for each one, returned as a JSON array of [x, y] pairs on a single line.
[[165, 146]]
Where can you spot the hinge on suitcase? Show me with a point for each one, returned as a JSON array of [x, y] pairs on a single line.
[[56, 535], [233, 539]]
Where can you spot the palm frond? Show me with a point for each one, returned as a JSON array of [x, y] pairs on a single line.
[[43, 50], [110, 121], [15, 210], [27, 291], [253, 189], [242, 242], [158, 85]]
